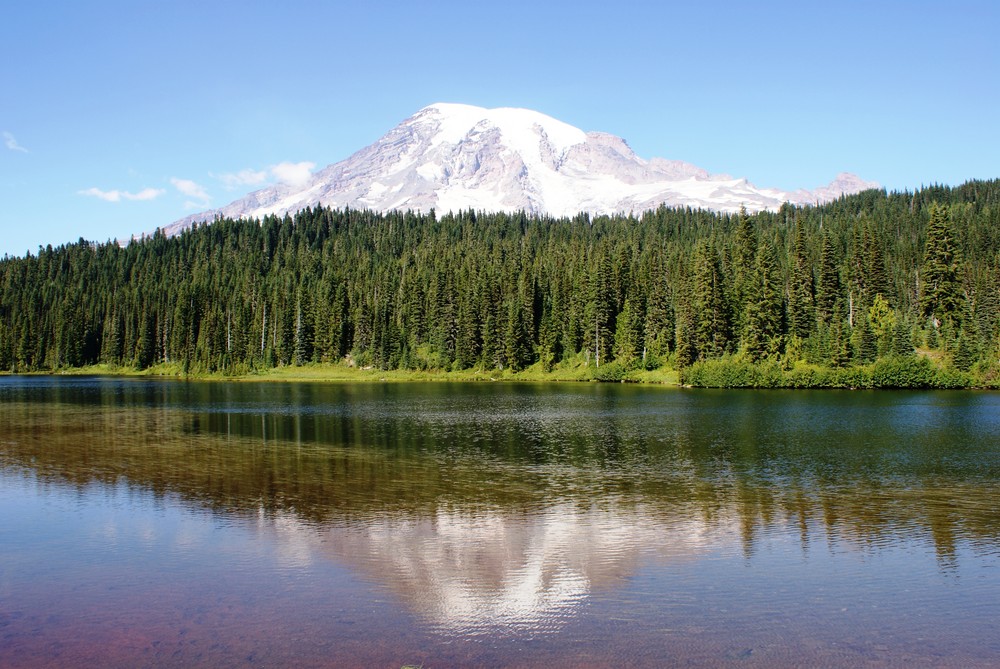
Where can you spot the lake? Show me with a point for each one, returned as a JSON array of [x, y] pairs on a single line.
[[176, 524]]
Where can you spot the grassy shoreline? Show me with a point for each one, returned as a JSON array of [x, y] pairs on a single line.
[[327, 373], [916, 372]]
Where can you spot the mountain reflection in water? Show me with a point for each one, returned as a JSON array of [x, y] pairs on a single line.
[[484, 510], [493, 571]]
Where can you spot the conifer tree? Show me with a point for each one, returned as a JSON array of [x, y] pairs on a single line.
[[828, 293], [628, 333], [867, 346], [547, 336], [599, 313], [468, 345], [659, 328], [965, 352], [686, 352], [801, 307], [765, 308], [902, 339], [517, 346], [743, 263], [941, 297], [877, 277], [712, 336]]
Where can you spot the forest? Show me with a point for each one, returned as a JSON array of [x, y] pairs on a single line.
[[876, 289]]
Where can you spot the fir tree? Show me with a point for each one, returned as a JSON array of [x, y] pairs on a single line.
[[828, 293], [902, 339], [712, 334], [743, 263], [801, 307], [941, 297], [765, 308], [628, 333], [867, 346], [965, 352], [517, 344]]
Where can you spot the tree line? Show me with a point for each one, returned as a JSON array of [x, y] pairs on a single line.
[[869, 276]]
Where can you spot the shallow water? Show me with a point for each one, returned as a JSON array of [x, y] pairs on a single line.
[[148, 523]]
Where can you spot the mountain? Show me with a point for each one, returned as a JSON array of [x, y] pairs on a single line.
[[452, 157]]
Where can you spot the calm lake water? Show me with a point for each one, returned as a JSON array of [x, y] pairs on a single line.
[[173, 524]]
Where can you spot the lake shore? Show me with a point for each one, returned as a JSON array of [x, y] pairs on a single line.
[[329, 373], [730, 371]]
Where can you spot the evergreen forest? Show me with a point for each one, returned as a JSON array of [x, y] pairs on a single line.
[[875, 289]]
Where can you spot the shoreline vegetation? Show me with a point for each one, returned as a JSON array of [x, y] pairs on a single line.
[[874, 290], [919, 371]]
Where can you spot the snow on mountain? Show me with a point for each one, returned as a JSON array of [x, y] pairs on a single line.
[[453, 157]]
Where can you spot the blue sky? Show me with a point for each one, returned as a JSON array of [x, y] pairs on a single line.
[[119, 117]]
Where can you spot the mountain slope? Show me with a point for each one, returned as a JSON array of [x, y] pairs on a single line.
[[453, 157]]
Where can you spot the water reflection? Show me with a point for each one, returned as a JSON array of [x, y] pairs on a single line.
[[487, 507], [490, 572]]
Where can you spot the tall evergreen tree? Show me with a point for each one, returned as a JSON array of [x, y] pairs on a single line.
[[743, 263], [600, 311], [828, 293], [801, 306], [941, 297], [713, 334], [765, 308], [628, 333], [659, 328], [517, 343]]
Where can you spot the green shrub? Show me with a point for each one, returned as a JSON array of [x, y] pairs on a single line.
[[610, 372], [889, 372], [901, 372], [733, 372]]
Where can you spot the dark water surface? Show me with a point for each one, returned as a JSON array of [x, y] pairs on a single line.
[[174, 524]]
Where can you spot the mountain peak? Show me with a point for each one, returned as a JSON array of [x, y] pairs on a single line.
[[452, 157], [520, 127]]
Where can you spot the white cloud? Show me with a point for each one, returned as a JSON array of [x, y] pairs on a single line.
[[192, 190], [293, 174], [247, 177], [119, 195], [144, 194], [12, 144]]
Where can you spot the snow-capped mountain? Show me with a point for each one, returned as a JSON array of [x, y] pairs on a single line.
[[453, 157]]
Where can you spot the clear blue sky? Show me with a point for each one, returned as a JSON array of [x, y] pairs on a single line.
[[119, 117]]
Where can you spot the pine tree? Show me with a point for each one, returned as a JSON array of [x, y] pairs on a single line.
[[867, 346], [599, 313], [965, 352], [145, 353], [828, 293], [628, 333], [801, 306], [659, 328], [547, 337], [840, 345], [686, 352], [302, 342], [712, 335], [468, 344], [744, 261], [517, 344], [877, 280], [902, 339], [941, 297], [765, 308]]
